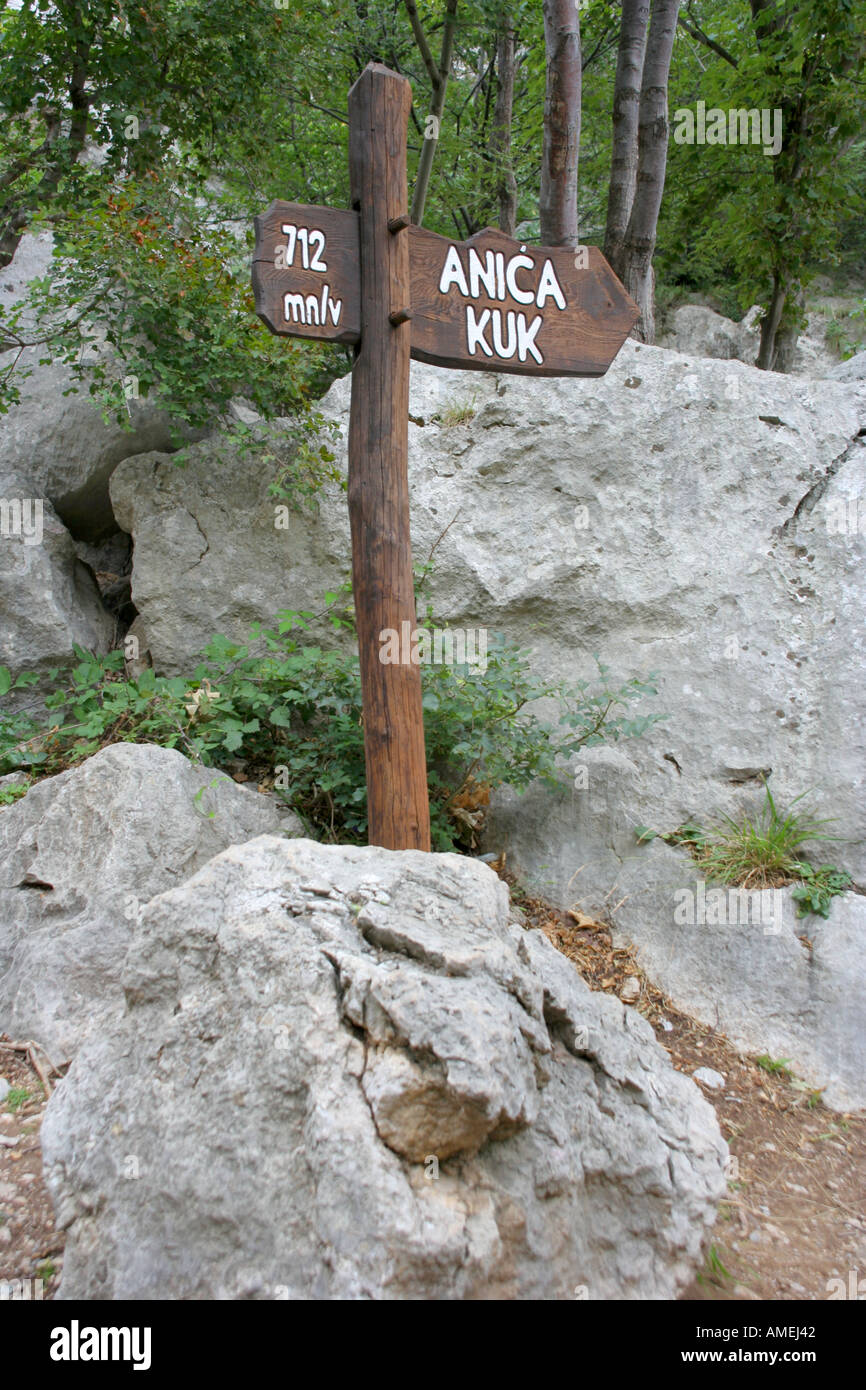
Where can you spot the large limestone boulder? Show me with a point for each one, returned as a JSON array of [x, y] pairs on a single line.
[[699, 331], [678, 515], [776, 984], [80, 855], [852, 370], [345, 1073], [61, 440], [49, 600]]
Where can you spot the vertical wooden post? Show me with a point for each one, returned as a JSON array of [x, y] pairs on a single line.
[[397, 800]]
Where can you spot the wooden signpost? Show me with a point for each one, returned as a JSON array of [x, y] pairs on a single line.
[[369, 278]]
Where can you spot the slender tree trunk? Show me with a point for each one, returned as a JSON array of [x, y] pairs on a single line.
[[788, 331], [438, 74], [14, 219], [640, 237], [500, 139], [626, 107], [770, 323], [558, 202]]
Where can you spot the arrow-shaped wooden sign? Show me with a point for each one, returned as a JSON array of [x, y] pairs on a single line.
[[367, 277], [487, 304]]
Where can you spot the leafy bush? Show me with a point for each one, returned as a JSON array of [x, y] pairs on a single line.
[[143, 267], [291, 714]]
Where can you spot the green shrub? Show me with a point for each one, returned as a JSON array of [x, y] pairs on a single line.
[[276, 703]]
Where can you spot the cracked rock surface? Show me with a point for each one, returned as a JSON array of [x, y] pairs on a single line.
[[80, 855], [349, 1073]]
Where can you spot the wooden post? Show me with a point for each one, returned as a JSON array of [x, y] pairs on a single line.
[[397, 800]]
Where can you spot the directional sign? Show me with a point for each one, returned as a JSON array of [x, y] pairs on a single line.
[[494, 304], [306, 275], [368, 277]]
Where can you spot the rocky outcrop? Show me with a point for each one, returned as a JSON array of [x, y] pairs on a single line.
[[344, 1073], [687, 517], [61, 440], [776, 984], [80, 856], [852, 370], [699, 331], [48, 599]]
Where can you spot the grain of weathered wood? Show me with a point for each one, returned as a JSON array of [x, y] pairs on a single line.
[[580, 339], [333, 293], [397, 797]]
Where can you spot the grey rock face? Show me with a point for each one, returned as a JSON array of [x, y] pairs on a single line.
[[790, 987], [62, 442], [678, 515], [852, 370], [48, 598], [80, 856], [343, 1073], [700, 332]]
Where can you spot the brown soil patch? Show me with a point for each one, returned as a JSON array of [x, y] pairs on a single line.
[[31, 1249], [795, 1217]]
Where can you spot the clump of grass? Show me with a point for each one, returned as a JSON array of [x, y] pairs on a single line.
[[458, 413], [16, 1098], [760, 851], [779, 1066], [714, 1271]]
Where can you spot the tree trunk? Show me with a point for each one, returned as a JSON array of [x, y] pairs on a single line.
[[439, 75], [558, 202], [13, 220], [770, 323], [626, 106], [790, 327], [500, 139], [640, 237]]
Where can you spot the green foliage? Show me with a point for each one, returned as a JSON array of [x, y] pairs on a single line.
[[204, 110], [276, 702], [819, 886], [12, 793], [714, 1271], [778, 1067], [16, 1097], [756, 852], [733, 217], [142, 269], [760, 851]]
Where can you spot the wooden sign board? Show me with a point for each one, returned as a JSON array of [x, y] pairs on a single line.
[[369, 278], [486, 304], [306, 276], [494, 304]]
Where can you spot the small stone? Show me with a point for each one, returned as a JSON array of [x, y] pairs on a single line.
[[755, 1237], [5, 1088], [666, 1024], [768, 1148], [630, 990], [707, 1077]]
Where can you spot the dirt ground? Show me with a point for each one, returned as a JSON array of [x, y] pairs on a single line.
[[31, 1249], [795, 1217], [794, 1220]]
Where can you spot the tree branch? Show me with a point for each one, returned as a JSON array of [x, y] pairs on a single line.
[[698, 33]]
